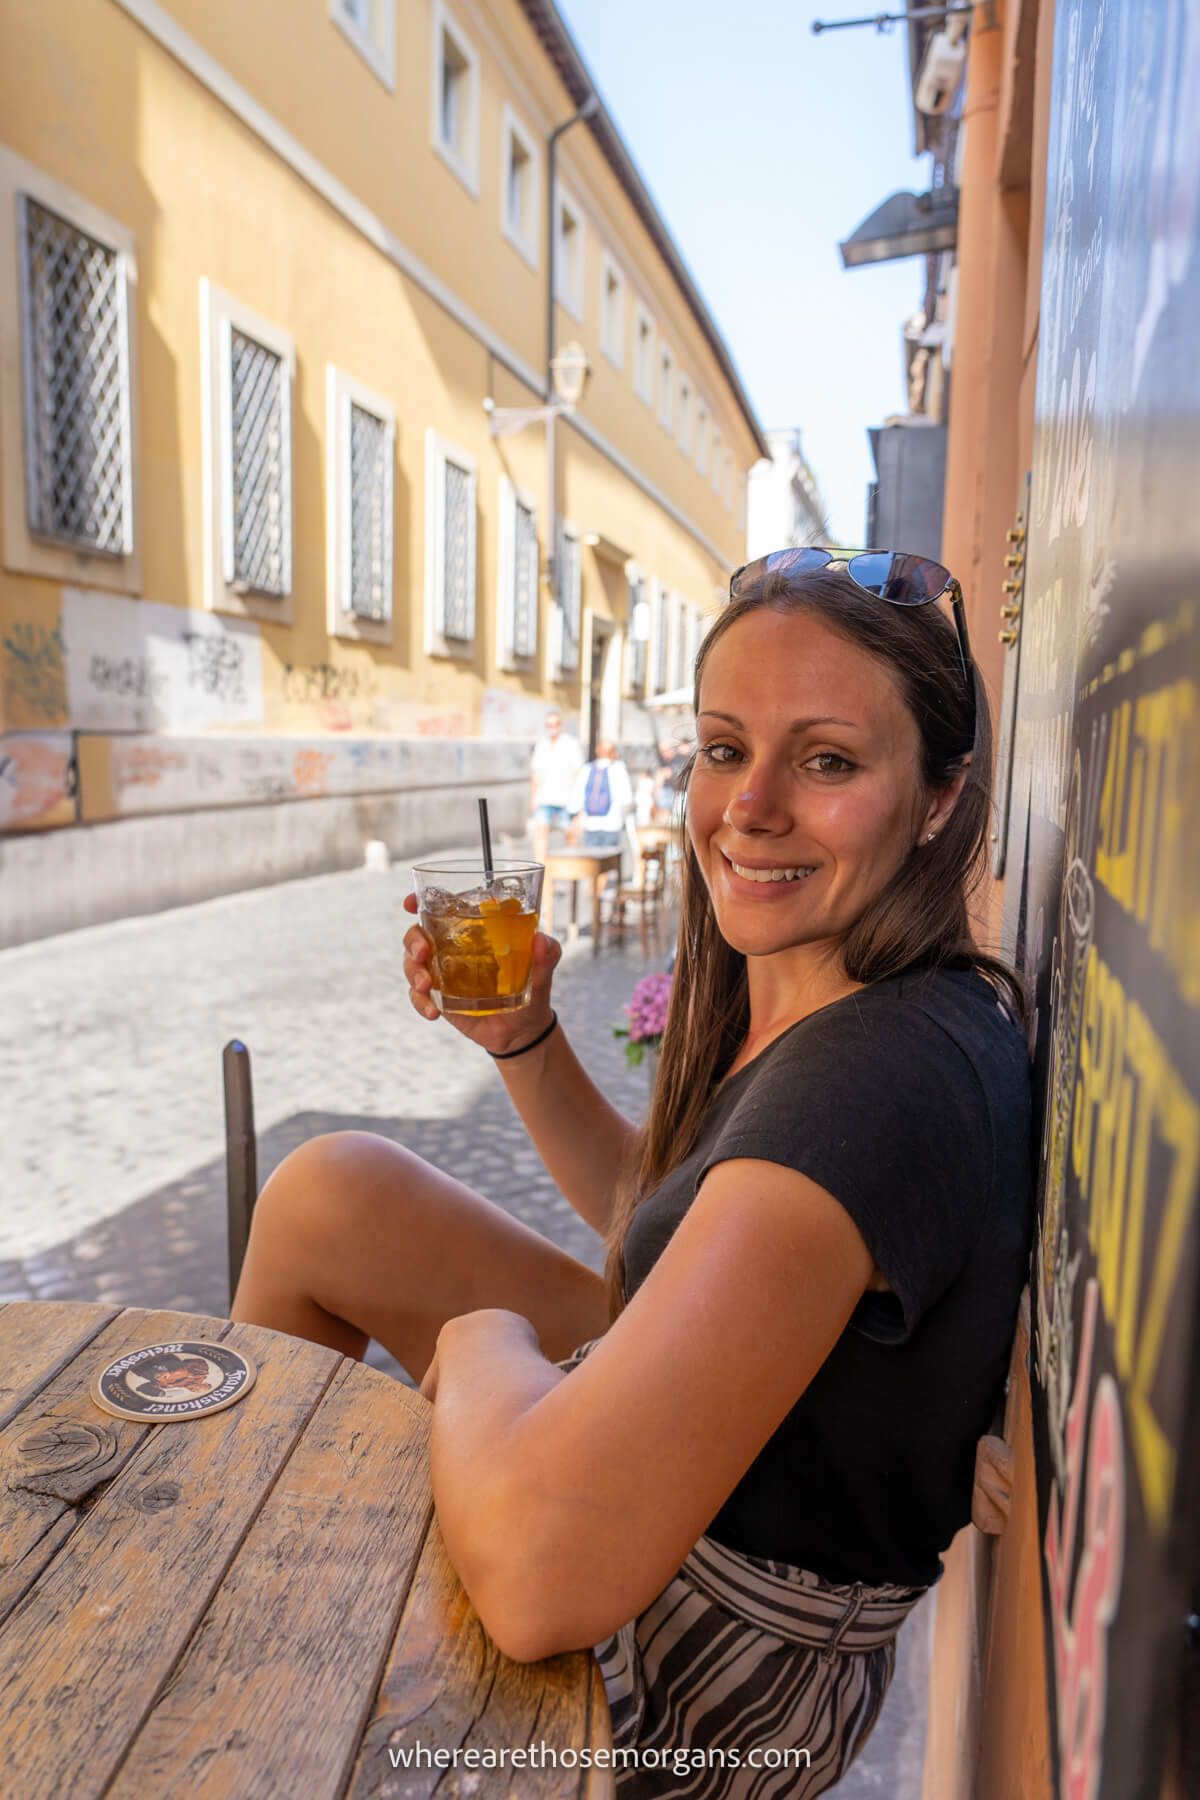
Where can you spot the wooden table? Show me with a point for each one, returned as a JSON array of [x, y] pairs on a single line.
[[255, 1603], [655, 837], [583, 865]]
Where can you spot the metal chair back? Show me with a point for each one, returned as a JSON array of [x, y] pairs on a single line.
[[241, 1154]]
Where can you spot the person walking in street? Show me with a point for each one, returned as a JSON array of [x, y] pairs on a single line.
[[730, 1465], [557, 759], [600, 798]]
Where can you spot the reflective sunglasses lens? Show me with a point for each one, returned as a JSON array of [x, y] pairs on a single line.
[[799, 561], [904, 580], [796, 561]]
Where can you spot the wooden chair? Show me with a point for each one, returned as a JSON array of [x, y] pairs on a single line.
[[645, 895], [241, 1154]]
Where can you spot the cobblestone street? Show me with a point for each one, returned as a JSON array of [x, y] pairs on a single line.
[[113, 1162]]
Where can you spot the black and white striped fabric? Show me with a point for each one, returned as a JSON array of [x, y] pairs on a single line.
[[740, 1654]]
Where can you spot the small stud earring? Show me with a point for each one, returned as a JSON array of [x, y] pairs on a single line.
[[931, 837]]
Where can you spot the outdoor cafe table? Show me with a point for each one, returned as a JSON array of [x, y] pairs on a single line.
[[252, 1603], [583, 865]]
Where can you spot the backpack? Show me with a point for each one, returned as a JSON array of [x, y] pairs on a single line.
[[597, 796]]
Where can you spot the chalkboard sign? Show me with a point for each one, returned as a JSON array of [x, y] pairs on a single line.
[[1103, 880]]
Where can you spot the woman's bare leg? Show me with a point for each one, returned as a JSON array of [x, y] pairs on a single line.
[[354, 1237]]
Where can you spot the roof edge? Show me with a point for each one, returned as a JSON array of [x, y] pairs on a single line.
[[556, 39]]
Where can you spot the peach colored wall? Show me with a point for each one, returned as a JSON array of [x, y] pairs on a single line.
[[988, 1733]]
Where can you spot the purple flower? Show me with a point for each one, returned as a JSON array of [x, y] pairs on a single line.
[[647, 1009]]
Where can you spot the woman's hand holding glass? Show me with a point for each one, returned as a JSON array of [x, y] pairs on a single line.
[[497, 1033]]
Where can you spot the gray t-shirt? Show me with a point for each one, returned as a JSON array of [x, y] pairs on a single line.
[[910, 1103]]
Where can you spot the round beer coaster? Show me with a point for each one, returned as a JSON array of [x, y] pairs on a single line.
[[160, 1383]]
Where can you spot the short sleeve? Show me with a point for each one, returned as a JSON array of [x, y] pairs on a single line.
[[877, 1103]]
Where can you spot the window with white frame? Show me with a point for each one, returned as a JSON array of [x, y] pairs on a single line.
[[568, 255], [681, 642], [698, 624], [661, 638], [685, 415], [519, 196], [455, 97], [666, 387], [450, 488], [361, 440], [249, 365], [727, 481], [370, 26], [612, 313], [643, 355], [702, 438], [718, 460], [68, 454], [638, 640], [568, 611], [517, 587]]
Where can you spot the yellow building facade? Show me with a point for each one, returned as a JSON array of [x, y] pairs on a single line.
[[284, 565]]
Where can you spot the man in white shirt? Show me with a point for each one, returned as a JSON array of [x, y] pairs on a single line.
[[600, 798], [557, 759]]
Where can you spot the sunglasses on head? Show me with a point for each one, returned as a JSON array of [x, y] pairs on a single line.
[[888, 574]]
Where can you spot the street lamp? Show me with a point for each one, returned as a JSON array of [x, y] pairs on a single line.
[[570, 371]]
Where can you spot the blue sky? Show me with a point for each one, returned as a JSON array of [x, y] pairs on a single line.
[[763, 146]]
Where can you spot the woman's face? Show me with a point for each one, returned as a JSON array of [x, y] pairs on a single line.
[[808, 762]]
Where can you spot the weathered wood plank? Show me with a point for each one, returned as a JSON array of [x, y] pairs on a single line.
[[87, 1652], [446, 1686], [61, 1448], [37, 1339], [272, 1695], [599, 1783]]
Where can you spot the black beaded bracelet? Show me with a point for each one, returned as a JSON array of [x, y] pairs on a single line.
[[504, 1055]]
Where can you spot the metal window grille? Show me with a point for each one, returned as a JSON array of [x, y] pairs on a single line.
[[76, 356], [458, 553], [370, 515], [260, 468], [661, 622], [524, 581], [569, 599]]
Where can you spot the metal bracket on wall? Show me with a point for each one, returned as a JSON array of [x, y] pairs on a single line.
[[1010, 636], [988, 17]]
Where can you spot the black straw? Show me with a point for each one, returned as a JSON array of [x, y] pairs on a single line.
[[485, 834]]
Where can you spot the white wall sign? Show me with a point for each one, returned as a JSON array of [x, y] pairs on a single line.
[[132, 665]]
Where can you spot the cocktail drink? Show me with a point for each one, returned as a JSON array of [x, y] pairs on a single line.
[[481, 928]]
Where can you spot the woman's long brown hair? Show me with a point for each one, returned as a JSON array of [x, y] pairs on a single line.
[[920, 919]]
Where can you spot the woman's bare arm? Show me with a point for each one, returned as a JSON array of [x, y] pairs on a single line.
[[579, 1135]]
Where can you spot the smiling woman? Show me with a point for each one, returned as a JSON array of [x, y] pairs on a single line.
[[731, 1466]]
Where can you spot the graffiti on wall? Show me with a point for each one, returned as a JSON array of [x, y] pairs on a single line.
[[33, 688], [152, 774], [132, 665], [168, 774], [1103, 898], [37, 780], [337, 697]]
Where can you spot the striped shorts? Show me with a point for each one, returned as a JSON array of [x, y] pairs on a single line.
[[748, 1655]]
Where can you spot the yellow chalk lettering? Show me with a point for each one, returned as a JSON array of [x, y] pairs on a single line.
[[1179, 1118]]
